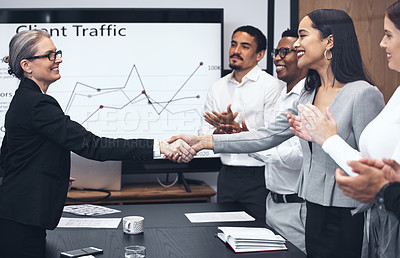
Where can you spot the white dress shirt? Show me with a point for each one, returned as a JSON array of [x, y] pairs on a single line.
[[380, 138], [283, 162], [254, 99]]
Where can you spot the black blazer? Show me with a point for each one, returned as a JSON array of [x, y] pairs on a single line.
[[35, 155]]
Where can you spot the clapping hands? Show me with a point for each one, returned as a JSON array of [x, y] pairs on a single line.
[[312, 125], [225, 122], [391, 170], [367, 184], [372, 175]]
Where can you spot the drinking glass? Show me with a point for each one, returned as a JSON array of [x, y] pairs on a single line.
[[135, 251]]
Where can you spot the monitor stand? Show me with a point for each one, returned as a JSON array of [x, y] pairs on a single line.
[[186, 182], [182, 180]]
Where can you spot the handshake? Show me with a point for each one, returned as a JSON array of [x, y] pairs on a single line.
[[182, 148]]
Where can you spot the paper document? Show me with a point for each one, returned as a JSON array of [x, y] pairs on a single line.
[[219, 216], [89, 210], [88, 223], [245, 239]]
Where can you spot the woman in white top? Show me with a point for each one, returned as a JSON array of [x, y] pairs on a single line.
[[380, 139]]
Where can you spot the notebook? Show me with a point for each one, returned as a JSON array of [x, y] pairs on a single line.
[[245, 239]]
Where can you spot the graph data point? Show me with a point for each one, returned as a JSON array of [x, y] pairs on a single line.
[[198, 96], [201, 63], [101, 106], [149, 102], [98, 90], [143, 92]]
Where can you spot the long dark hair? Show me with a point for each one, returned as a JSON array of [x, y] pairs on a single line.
[[347, 65], [393, 13]]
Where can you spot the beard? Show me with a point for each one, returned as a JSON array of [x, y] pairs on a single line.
[[234, 67]]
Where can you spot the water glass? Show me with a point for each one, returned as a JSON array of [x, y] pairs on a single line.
[[135, 251]]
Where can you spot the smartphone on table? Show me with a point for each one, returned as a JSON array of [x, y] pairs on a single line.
[[81, 252]]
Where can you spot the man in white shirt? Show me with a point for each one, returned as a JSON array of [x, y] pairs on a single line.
[[252, 93], [286, 212]]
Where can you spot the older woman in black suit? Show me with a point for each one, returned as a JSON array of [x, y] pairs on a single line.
[[35, 153]]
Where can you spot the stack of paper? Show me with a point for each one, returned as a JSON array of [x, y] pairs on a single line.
[[244, 239]]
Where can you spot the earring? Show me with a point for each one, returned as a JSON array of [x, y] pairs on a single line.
[[326, 56], [30, 75]]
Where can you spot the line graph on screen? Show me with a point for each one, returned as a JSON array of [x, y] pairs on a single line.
[[158, 106], [138, 106]]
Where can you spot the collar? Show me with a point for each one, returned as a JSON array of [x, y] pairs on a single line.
[[297, 88], [28, 83], [252, 75]]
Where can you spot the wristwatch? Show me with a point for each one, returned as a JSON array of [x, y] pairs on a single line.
[[379, 198]]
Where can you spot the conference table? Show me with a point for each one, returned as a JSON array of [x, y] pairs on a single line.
[[167, 233]]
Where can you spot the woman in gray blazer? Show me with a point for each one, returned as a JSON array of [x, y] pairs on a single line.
[[328, 46]]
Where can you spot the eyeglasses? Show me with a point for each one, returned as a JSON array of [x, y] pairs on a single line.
[[282, 52], [51, 56]]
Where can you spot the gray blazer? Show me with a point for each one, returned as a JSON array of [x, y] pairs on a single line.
[[353, 108]]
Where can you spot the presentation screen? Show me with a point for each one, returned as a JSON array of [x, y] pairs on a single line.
[[126, 73]]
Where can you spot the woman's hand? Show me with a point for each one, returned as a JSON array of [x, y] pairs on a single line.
[[366, 185], [71, 180], [391, 170], [177, 151], [319, 127], [297, 128], [198, 143]]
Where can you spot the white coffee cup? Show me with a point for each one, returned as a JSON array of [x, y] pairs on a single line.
[[133, 224]]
